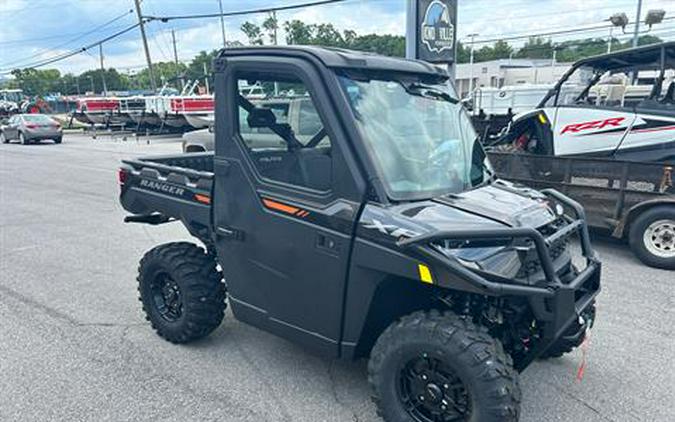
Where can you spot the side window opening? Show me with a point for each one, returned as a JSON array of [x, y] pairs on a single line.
[[282, 132]]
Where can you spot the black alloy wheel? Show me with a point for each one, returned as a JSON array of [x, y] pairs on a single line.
[[167, 297], [432, 392]]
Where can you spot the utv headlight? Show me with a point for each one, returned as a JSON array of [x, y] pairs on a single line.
[[503, 261]]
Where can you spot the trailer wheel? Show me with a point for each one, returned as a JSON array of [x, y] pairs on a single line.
[[182, 293], [440, 367], [652, 237]]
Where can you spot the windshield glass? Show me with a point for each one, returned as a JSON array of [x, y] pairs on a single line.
[[418, 135], [37, 118]]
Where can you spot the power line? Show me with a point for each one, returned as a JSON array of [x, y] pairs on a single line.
[[243, 12], [79, 37], [544, 34], [78, 51]]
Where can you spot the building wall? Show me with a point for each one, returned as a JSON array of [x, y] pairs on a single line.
[[499, 73]]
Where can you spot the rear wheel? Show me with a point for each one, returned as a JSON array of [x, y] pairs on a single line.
[[22, 139], [58, 140], [652, 237], [182, 293], [431, 367]]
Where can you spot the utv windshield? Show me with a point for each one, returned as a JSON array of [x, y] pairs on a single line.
[[418, 135]]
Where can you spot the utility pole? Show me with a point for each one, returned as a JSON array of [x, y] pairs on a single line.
[[145, 45], [637, 24], [175, 58], [222, 23], [100, 53], [206, 78], [276, 25], [609, 41], [273, 15], [473, 37]]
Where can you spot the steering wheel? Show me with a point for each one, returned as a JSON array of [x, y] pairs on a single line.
[[441, 161]]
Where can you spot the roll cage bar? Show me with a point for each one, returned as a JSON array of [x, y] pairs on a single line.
[[656, 56]]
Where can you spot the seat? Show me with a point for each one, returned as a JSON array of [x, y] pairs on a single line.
[[669, 98], [316, 167]]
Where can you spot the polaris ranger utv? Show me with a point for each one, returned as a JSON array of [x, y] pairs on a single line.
[[374, 229]]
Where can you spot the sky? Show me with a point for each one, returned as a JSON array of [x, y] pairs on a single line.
[[31, 30]]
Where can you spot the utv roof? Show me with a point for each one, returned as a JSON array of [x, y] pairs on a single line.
[[647, 57], [340, 58]]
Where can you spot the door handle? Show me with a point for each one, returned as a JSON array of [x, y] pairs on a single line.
[[327, 244], [230, 233]]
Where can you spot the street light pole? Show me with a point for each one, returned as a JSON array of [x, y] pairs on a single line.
[[222, 23], [472, 36], [100, 53], [637, 24]]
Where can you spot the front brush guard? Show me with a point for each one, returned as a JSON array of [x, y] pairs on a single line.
[[555, 306]]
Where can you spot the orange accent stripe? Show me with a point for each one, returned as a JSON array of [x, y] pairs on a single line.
[[202, 198], [279, 206]]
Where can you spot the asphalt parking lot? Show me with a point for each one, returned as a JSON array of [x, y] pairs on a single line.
[[75, 346]]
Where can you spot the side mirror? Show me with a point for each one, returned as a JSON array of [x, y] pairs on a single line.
[[261, 118]]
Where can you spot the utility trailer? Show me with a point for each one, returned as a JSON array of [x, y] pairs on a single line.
[[377, 236], [633, 200]]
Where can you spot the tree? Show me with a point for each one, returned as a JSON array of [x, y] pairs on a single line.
[[253, 33], [36, 81], [297, 32], [536, 48], [271, 25]]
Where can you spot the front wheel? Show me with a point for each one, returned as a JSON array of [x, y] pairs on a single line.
[[652, 237], [182, 292], [442, 367]]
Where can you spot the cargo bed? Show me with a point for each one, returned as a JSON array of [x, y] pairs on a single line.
[[171, 187]]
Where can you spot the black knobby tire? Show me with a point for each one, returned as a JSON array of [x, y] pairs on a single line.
[[572, 338], [483, 385], [182, 293], [644, 241], [58, 140]]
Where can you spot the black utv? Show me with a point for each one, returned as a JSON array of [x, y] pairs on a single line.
[[365, 222]]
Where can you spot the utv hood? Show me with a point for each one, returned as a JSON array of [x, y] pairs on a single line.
[[497, 205]]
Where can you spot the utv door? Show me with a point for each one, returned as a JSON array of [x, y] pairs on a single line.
[[284, 215]]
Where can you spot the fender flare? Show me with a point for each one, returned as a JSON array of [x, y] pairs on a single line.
[[635, 210]]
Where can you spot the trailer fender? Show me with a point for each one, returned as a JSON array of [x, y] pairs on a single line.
[[635, 210]]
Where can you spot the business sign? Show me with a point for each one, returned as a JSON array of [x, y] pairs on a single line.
[[434, 32]]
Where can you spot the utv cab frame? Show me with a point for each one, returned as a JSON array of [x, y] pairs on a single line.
[[375, 235]]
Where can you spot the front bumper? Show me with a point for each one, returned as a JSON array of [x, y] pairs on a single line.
[[556, 305]]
